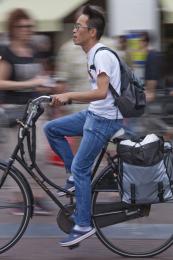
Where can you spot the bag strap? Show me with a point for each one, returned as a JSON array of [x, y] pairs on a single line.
[[133, 193], [161, 191], [108, 49], [113, 91]]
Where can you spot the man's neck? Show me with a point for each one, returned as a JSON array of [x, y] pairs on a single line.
[[89, 45]]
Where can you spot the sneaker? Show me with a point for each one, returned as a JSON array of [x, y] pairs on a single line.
[[68, 186], [40, 208], [18, 210], [76, 237], [41, 211]]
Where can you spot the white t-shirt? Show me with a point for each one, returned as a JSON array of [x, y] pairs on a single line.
[[104, 61]]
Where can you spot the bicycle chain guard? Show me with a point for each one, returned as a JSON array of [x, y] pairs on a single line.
[[120, 212]]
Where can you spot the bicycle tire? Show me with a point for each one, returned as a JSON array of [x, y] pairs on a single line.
[[146, 234], [14, 215]]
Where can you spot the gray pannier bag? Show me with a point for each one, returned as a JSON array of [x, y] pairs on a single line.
[[143, 176]]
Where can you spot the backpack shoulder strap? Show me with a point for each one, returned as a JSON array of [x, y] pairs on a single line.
[[107, 49], [113, 91]]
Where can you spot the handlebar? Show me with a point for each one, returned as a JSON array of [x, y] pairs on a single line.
[[35, 108], [47, 99], [41, 99]]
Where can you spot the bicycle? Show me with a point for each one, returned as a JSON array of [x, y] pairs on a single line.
[[122, 228]]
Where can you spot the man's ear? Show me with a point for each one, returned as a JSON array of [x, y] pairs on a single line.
[[93, 32]]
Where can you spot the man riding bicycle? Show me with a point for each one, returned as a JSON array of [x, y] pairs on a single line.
[[96, 125]]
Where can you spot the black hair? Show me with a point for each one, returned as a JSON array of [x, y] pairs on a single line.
[[96, 18]]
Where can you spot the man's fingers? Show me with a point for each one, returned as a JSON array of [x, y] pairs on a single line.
[[54, 101]]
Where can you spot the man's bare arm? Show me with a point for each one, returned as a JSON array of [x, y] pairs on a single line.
[[87, 96]]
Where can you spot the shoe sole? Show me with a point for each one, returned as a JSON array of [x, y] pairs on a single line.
[[79, 239], [17, 213], [35, 213], [61, 193], [42, 213]]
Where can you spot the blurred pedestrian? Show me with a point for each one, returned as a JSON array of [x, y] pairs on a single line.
[[152, 67], [21, 76], [153, 73], [122, 49], [168, 83]]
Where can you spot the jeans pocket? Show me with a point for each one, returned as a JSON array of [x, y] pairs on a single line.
[[98, 118], [97, 124]]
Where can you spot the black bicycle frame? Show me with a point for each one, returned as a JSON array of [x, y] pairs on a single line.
[[41, 179]]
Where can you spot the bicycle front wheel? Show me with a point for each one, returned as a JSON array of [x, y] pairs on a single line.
[[132, 231], [15, 208]]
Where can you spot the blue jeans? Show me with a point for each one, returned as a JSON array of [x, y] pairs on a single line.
[[96, 132]]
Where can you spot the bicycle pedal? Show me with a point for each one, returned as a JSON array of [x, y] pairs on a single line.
[[74, 246]]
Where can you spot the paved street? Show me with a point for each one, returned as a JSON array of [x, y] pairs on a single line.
[[47, 248], [40, 242]]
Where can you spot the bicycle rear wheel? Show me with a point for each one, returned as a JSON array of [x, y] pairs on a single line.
[[15, 208], [132, 231]]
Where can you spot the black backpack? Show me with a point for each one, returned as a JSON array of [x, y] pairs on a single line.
[[132, 100]]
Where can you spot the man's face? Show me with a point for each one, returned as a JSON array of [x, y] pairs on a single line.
[[81, 33]]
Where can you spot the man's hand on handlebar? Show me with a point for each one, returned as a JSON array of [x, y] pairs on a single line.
[[60, 99]]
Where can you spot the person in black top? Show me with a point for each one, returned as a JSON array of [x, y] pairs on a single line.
[[20, 73], [152, 68], [21, 76], [153, 73]]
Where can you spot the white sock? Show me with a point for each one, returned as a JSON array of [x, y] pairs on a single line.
[[71, 178], [79, 228]]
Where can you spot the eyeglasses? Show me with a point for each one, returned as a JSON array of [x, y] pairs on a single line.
[[77, 26], [29, 26]]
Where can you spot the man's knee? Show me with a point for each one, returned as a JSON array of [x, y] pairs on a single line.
[[53, 129], [47, 128]]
